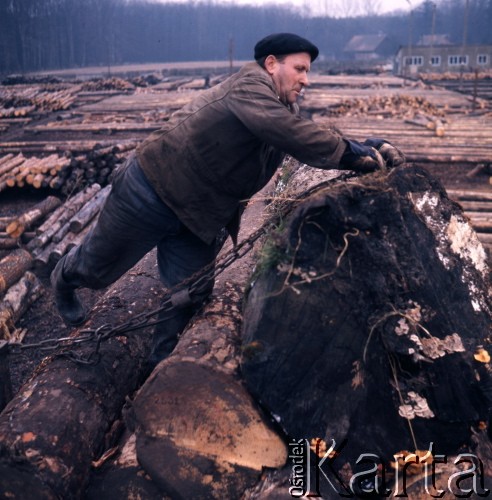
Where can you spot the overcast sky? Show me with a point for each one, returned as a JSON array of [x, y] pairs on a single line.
[[334, 8]]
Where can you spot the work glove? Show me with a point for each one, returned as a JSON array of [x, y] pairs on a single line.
[[361, 158], [392, 156]]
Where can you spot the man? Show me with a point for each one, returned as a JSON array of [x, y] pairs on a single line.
[[187, 180]]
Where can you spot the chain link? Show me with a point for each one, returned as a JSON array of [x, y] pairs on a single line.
[[195, 284]]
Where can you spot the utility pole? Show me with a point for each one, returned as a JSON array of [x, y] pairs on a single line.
[[410, 41], [465, 24], [464, 43], [433, 32], [231, 55], [433, 26]]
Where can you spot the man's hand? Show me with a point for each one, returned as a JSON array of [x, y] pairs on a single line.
[[361, 158], [391, 154]]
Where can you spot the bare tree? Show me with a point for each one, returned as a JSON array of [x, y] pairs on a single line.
[[371, 7], [348, 8]]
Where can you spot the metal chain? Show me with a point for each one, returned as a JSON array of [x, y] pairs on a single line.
[[191, 285]]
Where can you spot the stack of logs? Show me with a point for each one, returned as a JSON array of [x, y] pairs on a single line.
[[100, 84], [389, 106], [63, 228], [16, 111], [66, 172], [40, 98], [66, 227]]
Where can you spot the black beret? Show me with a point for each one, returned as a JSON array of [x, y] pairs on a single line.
[[284, 43]]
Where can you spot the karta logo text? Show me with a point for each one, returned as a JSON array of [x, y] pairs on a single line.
[[313, 470]]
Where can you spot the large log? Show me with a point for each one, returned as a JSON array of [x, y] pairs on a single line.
[[17, 300], [197, 432], [366, 322], [54, 427], [13, 266]]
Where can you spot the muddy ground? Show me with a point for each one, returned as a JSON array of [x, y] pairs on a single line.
[[41, 320]]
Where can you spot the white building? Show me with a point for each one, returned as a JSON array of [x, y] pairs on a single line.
[[442, 58]]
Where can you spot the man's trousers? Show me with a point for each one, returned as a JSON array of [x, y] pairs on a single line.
[[133, 221]]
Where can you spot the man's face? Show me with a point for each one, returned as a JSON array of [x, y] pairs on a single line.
[[289, 75]]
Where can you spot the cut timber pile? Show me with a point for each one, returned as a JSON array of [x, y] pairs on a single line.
[[67, 172], [107, 84], [36, 98], [368, 320], [406, 106], [448, 75], [15, 112]]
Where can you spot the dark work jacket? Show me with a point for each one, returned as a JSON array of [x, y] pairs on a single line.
[[225, 145]]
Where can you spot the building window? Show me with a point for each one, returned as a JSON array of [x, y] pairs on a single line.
[[482, 59], [458, 60], [414, 61], [435, 60]]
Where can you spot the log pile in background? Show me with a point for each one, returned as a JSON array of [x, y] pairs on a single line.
[[18, 111], [107, 124], [477, 84], [68, 172], [449, 75], [37, 98], [70, 217], [114, 83], [405, 106], [94, 167]]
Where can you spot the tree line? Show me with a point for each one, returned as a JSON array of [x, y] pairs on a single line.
[[51, 34]]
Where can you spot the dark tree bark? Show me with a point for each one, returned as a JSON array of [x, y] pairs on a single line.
[[366, 324], [56, 425]]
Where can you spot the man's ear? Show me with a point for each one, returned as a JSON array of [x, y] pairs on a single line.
[[270, 64]]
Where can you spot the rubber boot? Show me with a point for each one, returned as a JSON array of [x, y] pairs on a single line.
[[68, 304]]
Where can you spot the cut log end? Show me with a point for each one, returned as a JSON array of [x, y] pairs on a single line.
[[377, 296]]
